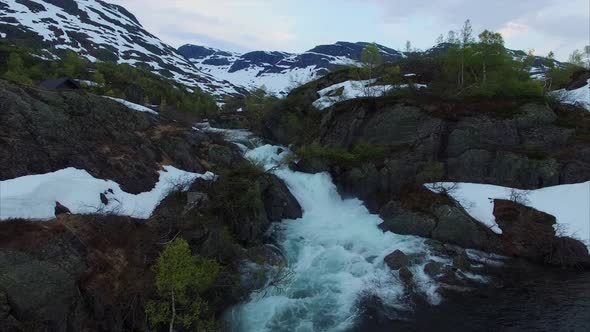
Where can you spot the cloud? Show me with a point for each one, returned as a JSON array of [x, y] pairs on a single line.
[[512, 29], [297, 25], [242, 25]]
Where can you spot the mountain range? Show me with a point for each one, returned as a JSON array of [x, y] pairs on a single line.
[[278, 71], [102, 31]]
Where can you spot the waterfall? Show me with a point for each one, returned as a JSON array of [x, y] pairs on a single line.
[[335, 253]]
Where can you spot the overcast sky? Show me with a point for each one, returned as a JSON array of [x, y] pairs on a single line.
[[298, 25]]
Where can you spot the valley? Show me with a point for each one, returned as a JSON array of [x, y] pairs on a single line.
[[349, 187]]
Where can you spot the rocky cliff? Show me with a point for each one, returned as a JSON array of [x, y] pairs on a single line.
[[94, 272]]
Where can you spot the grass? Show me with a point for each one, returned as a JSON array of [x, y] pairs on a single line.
[[361, 152]]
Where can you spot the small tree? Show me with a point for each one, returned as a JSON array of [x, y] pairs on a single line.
[[16, 70], [576, 58], [466, 39], [408, 46], [452, 37], [491, 45], [257, 103], [72, 65], [180, 280], [370, 59], [440, 39]]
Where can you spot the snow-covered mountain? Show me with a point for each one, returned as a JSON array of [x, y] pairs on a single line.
[[278, 71], [100, 31]]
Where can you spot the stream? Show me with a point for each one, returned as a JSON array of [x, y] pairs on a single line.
[[335, 256]]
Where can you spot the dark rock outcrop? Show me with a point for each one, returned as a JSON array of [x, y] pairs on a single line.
[[396, 260], [278, 201], [45, 131], [75, 273], [401, 221], [529, 233], [521, 147]]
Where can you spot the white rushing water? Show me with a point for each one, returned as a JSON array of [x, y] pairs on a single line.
[[336, 254]]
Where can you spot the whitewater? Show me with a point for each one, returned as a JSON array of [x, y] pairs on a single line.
[[335, 253]]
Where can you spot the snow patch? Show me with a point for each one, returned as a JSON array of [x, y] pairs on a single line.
[[133, 106], [569, 203], [579, 97], [354, 89], [34, 196], [88, 83]]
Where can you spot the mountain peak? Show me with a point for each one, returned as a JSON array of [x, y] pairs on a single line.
[[100, 31]]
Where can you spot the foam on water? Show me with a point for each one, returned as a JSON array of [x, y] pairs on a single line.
[[336, 254]]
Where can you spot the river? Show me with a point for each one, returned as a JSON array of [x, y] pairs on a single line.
[[335, 255]]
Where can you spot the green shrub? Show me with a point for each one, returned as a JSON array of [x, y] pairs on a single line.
[[360, 152], [237, 192], [431, 172]]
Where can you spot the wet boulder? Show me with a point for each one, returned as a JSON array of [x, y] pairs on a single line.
[[396, 260], [278, 201], [401, 221]]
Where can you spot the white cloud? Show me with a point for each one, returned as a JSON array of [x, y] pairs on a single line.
[[296, 25], [245, 24], [512, 29]]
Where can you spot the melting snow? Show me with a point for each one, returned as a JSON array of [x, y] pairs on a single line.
[[354, 89], [34, 196], [569, 203], [133, 106], [579, 97]]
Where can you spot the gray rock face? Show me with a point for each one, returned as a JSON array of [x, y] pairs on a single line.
[[521, 151], [455, 226], [481, 133], [400, 221], [399, 125], [45, 131], [49, 288], [535, 115]]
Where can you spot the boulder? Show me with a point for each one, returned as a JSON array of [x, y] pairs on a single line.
[[457, 227], [396, 260], [406, 276], [433, 268], [38, 290], [529, 233], [400, 221], [61, 209], [278, 201]]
